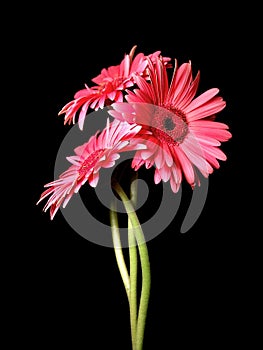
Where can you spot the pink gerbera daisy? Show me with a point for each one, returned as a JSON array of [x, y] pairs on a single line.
[[111, 84], [184, 136], [101, 151]]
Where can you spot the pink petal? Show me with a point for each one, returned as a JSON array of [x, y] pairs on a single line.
[[137, 162], [209, 124], [111, 95], [200, 100], [102, 101], [204, 139], [149, 163], [215, 152], [217, 134], [190, 93], [157, 177], [117, 115], [206, 110], [177, 173], [167, 155], [186, 166], [159, 159], [165, 173], [146, 154], [198, 160], [82, 114], [174, 185], [93, 180], [181, 83]]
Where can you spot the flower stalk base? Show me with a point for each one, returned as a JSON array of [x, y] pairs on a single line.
[[137, 246]]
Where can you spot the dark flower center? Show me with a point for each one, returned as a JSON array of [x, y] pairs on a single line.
[[169, 125]]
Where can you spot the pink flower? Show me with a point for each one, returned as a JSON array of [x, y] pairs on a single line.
[[184, 136], [154, 57], [111, 84], [101, 151]]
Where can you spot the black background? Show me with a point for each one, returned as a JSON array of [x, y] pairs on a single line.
[[67, 290]]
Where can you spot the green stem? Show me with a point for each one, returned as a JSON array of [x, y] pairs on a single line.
[[145, 265], [133, 269], [118, 249]]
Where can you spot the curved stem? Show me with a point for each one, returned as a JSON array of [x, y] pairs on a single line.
[[145, 295], [145, 265], [133, 269], [118, 249]]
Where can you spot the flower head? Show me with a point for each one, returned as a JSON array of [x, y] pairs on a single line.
[[101, 151], [110, 86], [184, 136]]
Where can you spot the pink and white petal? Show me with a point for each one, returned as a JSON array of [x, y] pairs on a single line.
[[94, 104], [212, 160], [140, 96], [66, 107], [146, 154], [111, 95], [119, 96], [108, 164], [126, 66], [177, 172], [82, 149], [167, 155], [133, 132], [138, 64], [159, 158], [100, 78], [157, 177], [175, 186], [152, 144], [122, 111], [82, 93], [195, 152], [186, 166], [53, 211], [208, 124], [206, 110], [121, 145], [67, 199], [190, 93], [119, 116], [93, 179], [204, 139], [181, 83], [131, 97], [79, 184], [82, 114], [201, 99], [114, 133], [217, 134], [113, 157], [144, 86], [215, 152], [149, 163], [102, 101], [198, 160], [123, 107], [165, 173], [45, 194], [113, 71], [137, 146], [191, 144], [137, 161]]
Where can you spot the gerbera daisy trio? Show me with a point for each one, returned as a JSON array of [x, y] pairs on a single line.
[[162, 120]]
